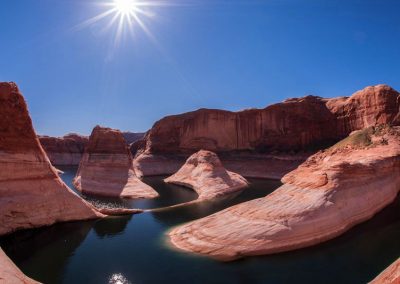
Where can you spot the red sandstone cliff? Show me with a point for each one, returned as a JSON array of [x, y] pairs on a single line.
[[31, 193], [106, 167], [66, 150], [293, 125]]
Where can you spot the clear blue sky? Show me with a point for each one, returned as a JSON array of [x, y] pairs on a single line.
[[214, 54]]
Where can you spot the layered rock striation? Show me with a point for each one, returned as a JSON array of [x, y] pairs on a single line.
[[324, 197], [31, 192], [390, 275], [293, 127], [106, 168], [204, 173], [66, 150], [9, 272]]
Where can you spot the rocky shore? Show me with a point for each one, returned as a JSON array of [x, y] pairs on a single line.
[[324, 197]]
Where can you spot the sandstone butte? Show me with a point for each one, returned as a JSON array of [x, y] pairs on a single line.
[[204, 172], [31, 192], [66, 150], [324, 197], [106, 168], [9, 272], [267, 142], [390, 275]]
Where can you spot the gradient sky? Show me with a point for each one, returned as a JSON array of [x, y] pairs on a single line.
[[214, 54]]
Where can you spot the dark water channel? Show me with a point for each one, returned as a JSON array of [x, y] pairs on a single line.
[[132, 249]]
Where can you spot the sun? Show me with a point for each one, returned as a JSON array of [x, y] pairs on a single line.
[[126, 7], [125, 16]]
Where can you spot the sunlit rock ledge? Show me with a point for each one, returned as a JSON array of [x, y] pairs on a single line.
[[327, 195]]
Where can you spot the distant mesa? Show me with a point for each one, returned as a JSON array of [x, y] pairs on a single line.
[[68, 150], [106, 168], [324, 197], [251, 142], [64, 151], [204, 172]]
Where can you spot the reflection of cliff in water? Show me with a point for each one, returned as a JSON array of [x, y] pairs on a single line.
[[49, 248], [111, 226], [176, 215]]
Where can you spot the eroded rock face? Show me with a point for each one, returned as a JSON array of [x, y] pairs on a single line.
[[31, 192], [9, 272], [106, 168], [390, 275], [324, 197], [204, 173], [295, 125], [66, 150]]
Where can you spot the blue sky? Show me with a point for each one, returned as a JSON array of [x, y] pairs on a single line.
[[214, 54]]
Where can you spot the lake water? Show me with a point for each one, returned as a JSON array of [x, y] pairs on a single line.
[[132, 249]]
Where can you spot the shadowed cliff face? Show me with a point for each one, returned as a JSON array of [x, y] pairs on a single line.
[[31, 193], [295, 124]]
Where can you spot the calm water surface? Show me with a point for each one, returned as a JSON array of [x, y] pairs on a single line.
[[132, 249]]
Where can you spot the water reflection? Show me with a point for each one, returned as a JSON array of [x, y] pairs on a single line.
[[169, 194], [111, 226], [31, 249], [132, 249]]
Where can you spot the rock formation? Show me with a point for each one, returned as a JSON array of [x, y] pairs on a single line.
[[390, 275], [204, 173], [31, 193], [9, 272], [295, 125], [132, 137], [106, 168], [64, 151], [323, 198]]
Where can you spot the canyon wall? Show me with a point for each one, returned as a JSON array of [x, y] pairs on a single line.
[[31, 192], [66, 150], [292, 127], [324, 197]]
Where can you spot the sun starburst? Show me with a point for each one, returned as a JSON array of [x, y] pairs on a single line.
[[124, 15]]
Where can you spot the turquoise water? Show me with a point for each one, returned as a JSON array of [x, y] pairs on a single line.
[[132, 249]]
